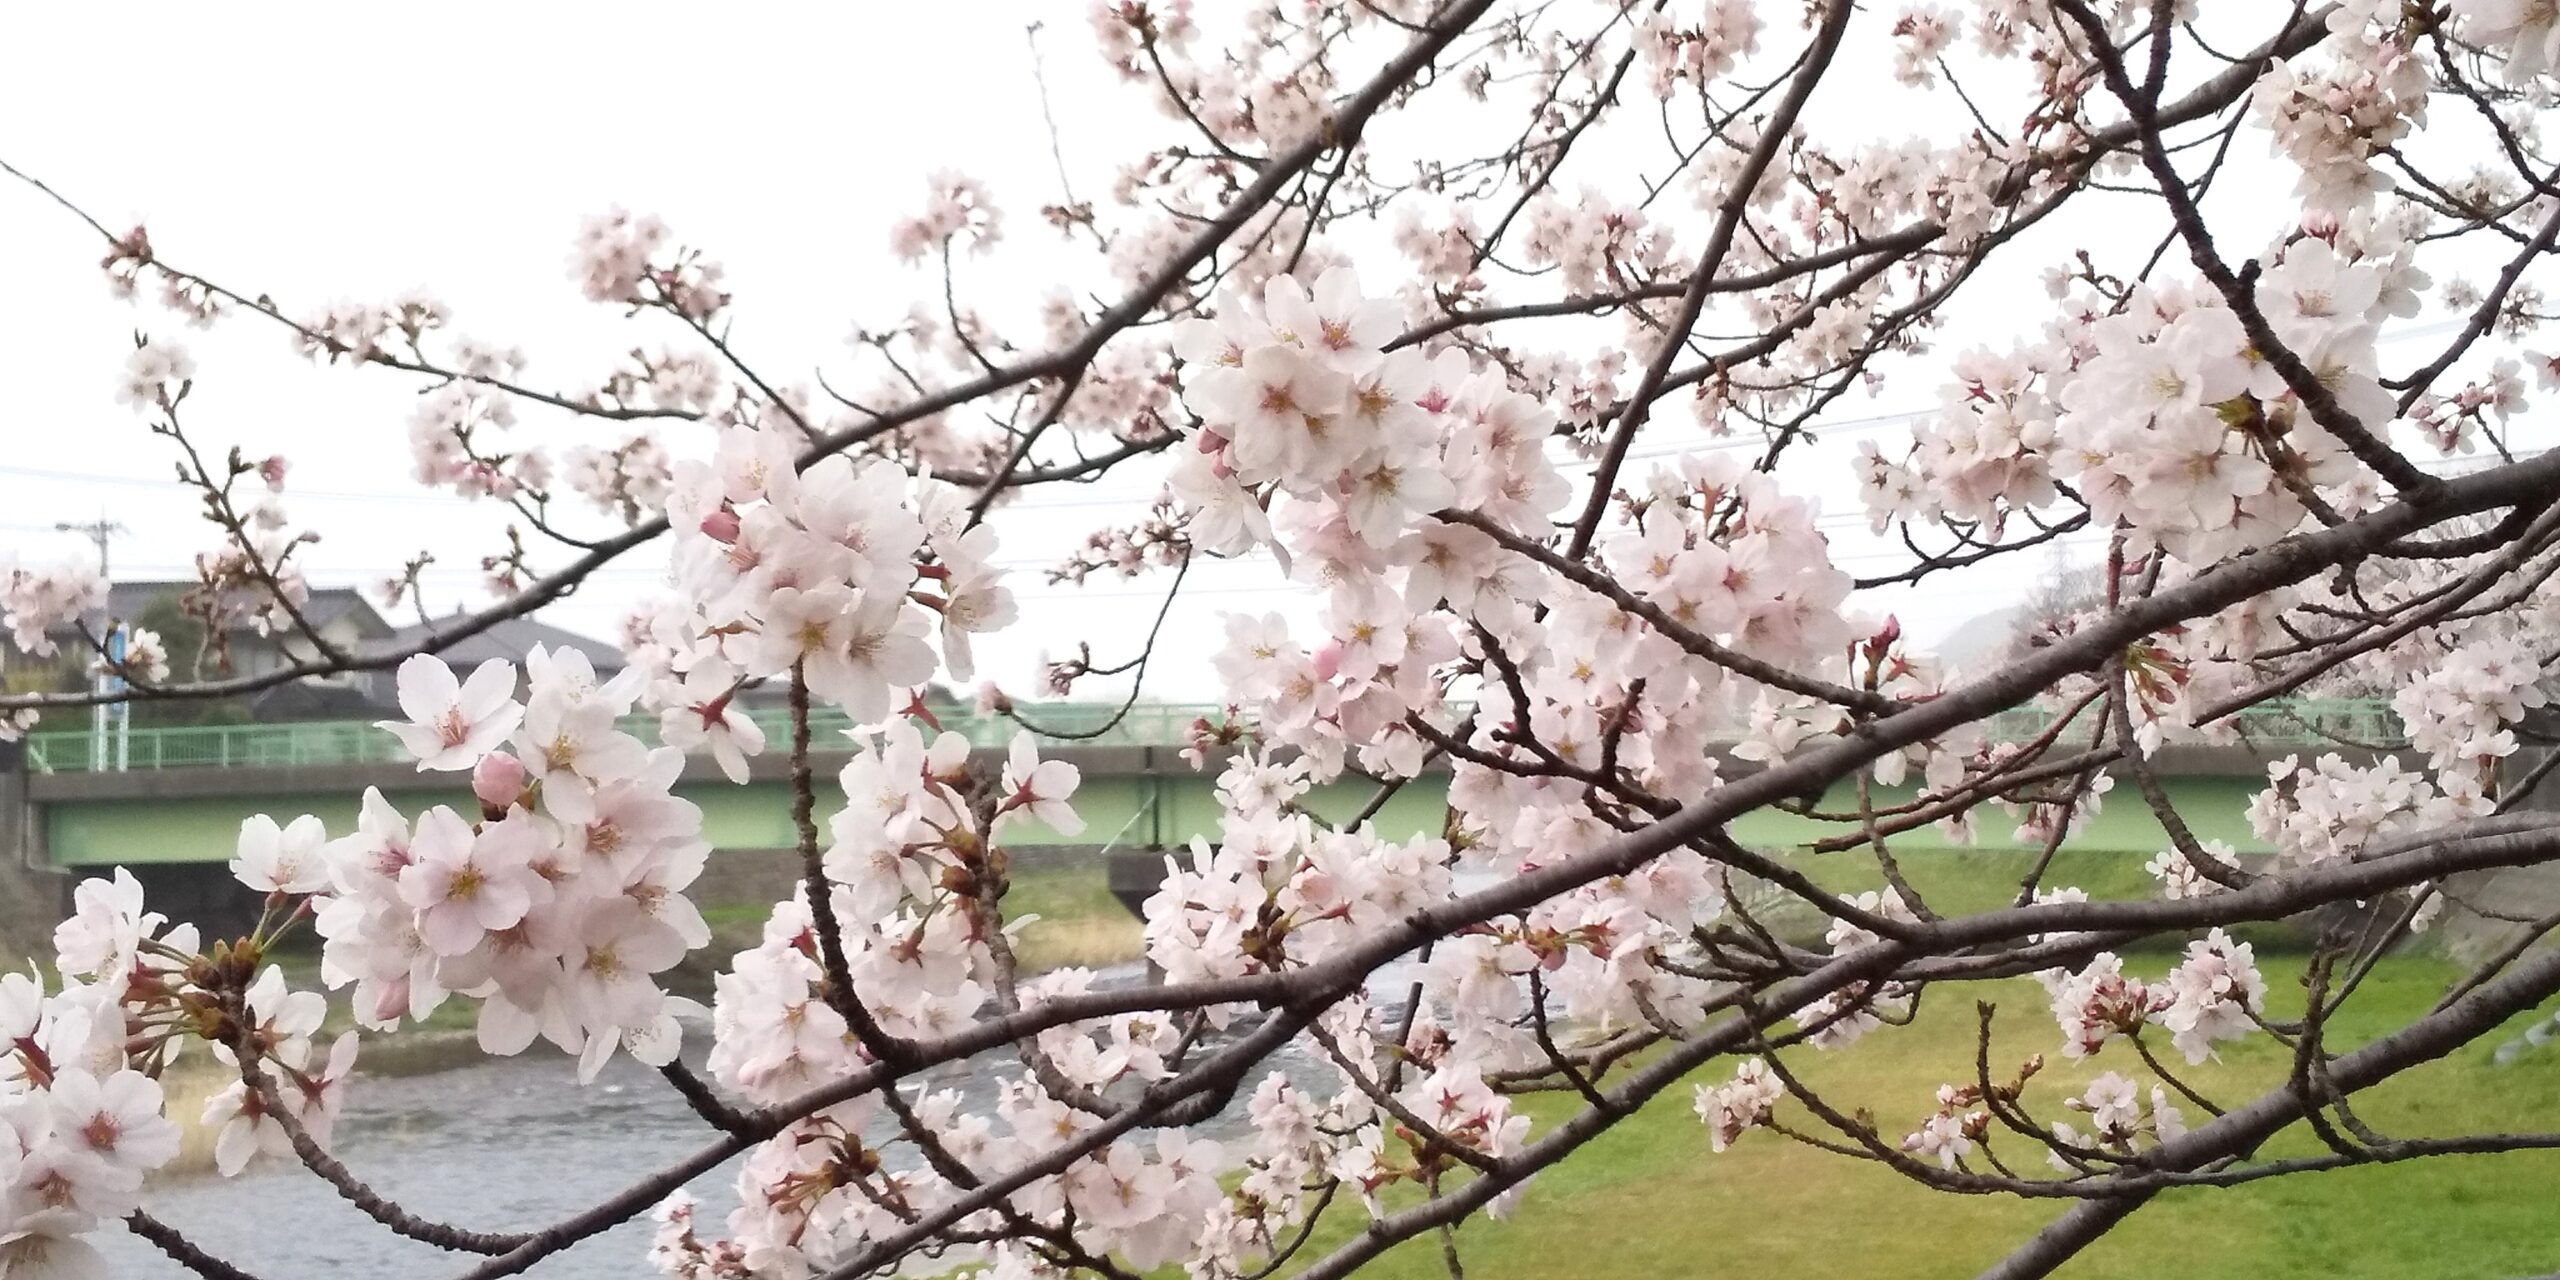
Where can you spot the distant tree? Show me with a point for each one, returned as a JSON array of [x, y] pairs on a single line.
[[183, 635]]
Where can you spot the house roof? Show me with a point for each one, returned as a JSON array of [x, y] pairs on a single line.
[[508, 640], [325, 605]]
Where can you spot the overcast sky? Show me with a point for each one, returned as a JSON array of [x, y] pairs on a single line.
[[329, 152]]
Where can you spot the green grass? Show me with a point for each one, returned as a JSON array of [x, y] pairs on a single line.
[[1648, 1199], [1079, 922], [1963, 881], [1958, 882]]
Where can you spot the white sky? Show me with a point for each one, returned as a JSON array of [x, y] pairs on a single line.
[[323, 152]]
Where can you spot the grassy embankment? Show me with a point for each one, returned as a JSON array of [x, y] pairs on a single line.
[[1078, 923], [1648, 1199]]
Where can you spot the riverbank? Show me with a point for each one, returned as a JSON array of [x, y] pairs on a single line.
[[1075, 922], [1649, 1198]]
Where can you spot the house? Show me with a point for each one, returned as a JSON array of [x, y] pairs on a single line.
[[340, 615], [508, 641], [345, 620]]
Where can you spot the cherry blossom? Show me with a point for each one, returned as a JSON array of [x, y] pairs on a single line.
[[1038, 789], [1729, 1110], [465, 885], [701, 710], [282, 860], [1534, 433], [453, 723]]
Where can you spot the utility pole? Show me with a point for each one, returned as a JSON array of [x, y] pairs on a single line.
[[102, 531]]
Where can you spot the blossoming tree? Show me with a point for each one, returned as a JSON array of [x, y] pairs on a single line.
[[1423, 304]]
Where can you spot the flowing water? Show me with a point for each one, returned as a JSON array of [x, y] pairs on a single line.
[[502, 1145], [499, 1145]]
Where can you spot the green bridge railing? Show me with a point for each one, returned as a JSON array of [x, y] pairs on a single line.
[[340, 742], [2285, 722], [2331, 722]]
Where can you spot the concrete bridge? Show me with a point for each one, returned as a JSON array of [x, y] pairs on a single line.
[[167, 803]]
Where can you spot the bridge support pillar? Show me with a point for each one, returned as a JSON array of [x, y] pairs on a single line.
[[32, 894], [1135, 875], [2522, 893]]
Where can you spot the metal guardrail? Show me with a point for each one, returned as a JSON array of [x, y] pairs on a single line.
[[345, 742], [2290, 722], [2328, 722]]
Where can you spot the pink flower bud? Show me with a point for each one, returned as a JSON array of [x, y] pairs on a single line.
[[1328, 660], [272, 471], [991, 699], [391, 1001], [721, 526], [498, 780]]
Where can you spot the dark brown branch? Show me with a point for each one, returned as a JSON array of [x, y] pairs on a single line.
[[186, 1253], [1774, 137]]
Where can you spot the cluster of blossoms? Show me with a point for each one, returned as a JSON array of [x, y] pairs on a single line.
[[627, 479], [1592, 242], [1277, 891], [81, 1122], [912, 870], [915, 871], [2156, 413], [2525, 34], [2333, 121], [1852, 1011], [960, 207], [310, 1086], [144, 655], [1698, 55], [834, 577], [2331, 809], [2180, 877], [1741, 1104], [454, 443], [2458, 712], [2212, 995], [1988, 451], [155, 376], [83, 1117], [2144, 438], [2456, 423], [676, 1250], [1463, 1112], [666, 379], [1921, 35], [556, 906], [360, 331], [618, 259], [1296, 398], [37, 602], [2119, 1121], [1949, 1134]]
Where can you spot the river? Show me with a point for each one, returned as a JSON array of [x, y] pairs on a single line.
[[498, 1145]]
